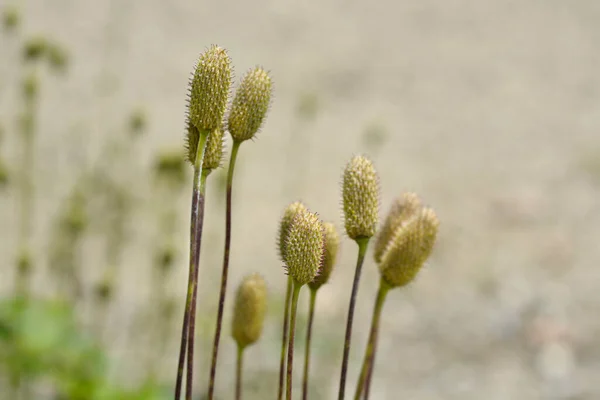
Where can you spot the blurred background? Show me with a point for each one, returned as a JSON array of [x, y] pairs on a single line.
[[490, 111]]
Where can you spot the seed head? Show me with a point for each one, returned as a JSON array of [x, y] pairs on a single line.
[[209, 89], [250, 104], [402, 209], [305, 247], [409, 248], [332, 243], [284, 226], [249, 310], [214, 150], [169, 166], [360, 195]]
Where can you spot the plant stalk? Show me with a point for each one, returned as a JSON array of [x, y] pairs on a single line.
[[284, 339], [363, 243], [238, 373], [213, 367], [290, 354], [311, 313]]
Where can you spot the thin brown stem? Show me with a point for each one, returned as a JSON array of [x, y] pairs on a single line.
[[290, 354], [362, 250], [311, 313], [223, 290], [238, 373], [284, 339]]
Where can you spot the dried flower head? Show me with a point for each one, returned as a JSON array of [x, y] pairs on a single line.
[[209, 89], [305, 247], [249, 310], [214, 150], [332, 243], [402, 209], [360, 195], [284, 226], [409, 248], [250, 104]]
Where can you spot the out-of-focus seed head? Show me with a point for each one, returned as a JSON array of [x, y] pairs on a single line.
[[409, 248], [250, 104], [30, 86], [305, 247], [4, 175], [169, 166], [10, 18], [209, 89], [284, 226], [332, 243], [402, 209], [57, 57], [214, 150], [34, 48], [249, 310], [360, 196]]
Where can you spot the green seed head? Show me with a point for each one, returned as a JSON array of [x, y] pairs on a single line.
[[34, 48], [250, 104], [57, 57], [209, 89], [249, 310], [10, 18], [214, 150], [305, 247], [360, 195], [332, 243], [409, 248], [402, 209], [284, 226]]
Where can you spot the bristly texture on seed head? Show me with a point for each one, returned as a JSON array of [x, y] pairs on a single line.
[[214, 150], [360, 195], [402, 209], [209, 90], [409, 248], [250, 104], [284, 226], [249, 310], [305, 247], [332, 243]]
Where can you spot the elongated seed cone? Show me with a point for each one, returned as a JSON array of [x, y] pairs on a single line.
[[402, 209], [250, 104], [214, 150], [360, 195], [409, 248], [305, 247], [284, 226], [249, 310], [209, 89], [332, 243]]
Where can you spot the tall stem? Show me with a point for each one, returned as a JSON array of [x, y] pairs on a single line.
[[371, 344], [290, 354], [194, 257], [284, 339], [213, 366], [363, 243], [238, 373], [311, 313]]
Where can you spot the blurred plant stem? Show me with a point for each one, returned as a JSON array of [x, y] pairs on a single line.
[[311, 313], [284, 339]]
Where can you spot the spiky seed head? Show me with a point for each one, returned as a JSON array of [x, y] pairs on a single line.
[[209, 91], [284, 226], [332, 243], [214, 150], [402, 209], [250, 104], [360, 195], [409, 248], [249, 310], [305, 247], [191, 141]]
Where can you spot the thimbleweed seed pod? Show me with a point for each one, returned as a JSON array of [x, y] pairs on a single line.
[[214, 150], [34, 48], [409, 248], [284, 226], [332, 243], [360, 194], [402, 209], [209, 91], [250, 105], [305, 247], [249, 310]]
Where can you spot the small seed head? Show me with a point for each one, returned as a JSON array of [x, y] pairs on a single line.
[[34, 48], [214, 150], [250, 104], [249, 310], [410, 247], [305, 247], [284, 226], [332, 243], [209, 89], [402, 209], [360, 195]]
